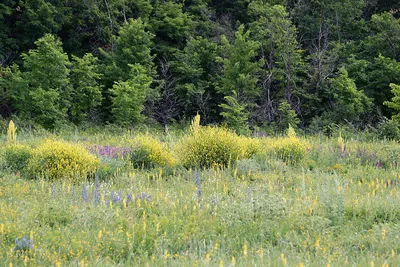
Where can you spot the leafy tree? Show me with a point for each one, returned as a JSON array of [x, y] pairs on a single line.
[[240, 69], [348, 102], [287, 116], [128, 96], [132, 46], [235, 114], [283, 63], [320, 21], [201, 16], [384, 37], [324, 28], [37, 18], [395, 101], [196, 68], [42, 90], [89, 25], [171, 25], [374, 77], [86, 93]]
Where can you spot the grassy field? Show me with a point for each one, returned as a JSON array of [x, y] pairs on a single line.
[[337, 203]]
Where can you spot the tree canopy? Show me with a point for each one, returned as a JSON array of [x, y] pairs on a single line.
[[245, 63]]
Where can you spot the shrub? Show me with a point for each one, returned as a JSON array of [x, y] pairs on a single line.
[[148, 152], [389, 129], [251, 146], [61, 160], [109, 167], [290, 149], [210, 146], [16, 156]]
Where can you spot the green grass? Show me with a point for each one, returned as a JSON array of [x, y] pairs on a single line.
[[335, 207]]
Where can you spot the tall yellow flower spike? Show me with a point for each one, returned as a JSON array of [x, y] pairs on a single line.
[[245, 250], [195, 125], [291, 132], [340, 142], [11, 132]]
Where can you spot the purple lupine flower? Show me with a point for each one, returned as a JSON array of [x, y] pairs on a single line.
[[128, 197], [116, 197], [85, 196], [97, 190], [53, 190], [198, 181], [73, 194], [199, 193], [23, 244], [144, 196], [198, 187]]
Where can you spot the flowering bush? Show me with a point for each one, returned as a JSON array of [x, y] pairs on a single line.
[[16, 156], [210, 146], [290, 149], [251, 146], [61, 160], [148, 152]]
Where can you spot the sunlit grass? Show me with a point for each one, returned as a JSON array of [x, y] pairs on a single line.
[[339, 205]]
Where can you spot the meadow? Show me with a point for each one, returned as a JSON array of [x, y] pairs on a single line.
[[202, 196]]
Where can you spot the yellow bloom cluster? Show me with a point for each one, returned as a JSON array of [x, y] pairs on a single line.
[[251, 146], [149, 152], [61, 160], [210, 146], [11, 132], [290, 149]]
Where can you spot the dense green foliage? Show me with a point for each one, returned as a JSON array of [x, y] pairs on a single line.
[[249, 64]]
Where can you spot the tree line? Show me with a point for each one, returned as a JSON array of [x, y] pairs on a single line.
[[244, 63]]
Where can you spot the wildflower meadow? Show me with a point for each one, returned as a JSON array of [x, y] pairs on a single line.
[[201, 196]]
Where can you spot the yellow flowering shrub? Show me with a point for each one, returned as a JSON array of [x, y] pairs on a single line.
[[290, 149], [251, 146], [61, 160], [210, 146], [148, 152], [16, 156]]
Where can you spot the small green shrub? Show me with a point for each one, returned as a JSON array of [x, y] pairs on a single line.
[[208, 147], [60, 160], [109, 167], [389, 129], [148, 152], [16, 156]]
